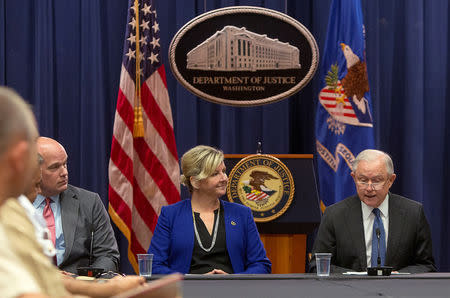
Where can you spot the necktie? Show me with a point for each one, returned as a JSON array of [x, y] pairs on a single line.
[[50, 219], [378, 232]]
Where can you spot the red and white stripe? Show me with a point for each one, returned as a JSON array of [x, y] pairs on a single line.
[[143, 172], [341, 112], [257, 197]]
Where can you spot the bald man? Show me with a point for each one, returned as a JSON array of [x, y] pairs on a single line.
[[77, 213]]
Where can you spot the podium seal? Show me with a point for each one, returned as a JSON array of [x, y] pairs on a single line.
[[263, 183]]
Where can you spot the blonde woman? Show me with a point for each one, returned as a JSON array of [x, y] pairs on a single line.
[[205, 234]]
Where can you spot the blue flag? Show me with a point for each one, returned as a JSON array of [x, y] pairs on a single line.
[[344, 122]]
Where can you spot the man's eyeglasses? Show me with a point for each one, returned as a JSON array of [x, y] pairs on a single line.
[[373, 185]]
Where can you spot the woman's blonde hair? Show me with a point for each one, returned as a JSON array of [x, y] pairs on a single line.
[[199, 162]]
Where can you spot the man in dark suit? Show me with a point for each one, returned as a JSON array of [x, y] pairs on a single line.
[[375, 226], [77, 216]]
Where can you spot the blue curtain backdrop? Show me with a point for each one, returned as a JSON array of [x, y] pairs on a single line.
[[64, 57]]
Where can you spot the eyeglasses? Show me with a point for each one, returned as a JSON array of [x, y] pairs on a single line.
[[373, 185]]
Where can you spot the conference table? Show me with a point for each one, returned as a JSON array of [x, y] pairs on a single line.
[[310, 285]]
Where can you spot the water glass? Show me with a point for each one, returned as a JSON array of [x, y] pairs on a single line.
[[323, 263], [145, 264]]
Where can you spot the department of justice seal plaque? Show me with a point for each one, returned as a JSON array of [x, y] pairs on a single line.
[[263, 183], [243, 56]]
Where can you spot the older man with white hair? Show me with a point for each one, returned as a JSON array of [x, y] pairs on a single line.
[[375, 227]]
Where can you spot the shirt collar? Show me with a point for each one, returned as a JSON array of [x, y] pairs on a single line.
[[40, 199], [384, 208]]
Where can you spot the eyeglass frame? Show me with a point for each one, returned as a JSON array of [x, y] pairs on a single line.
[[373, 185]]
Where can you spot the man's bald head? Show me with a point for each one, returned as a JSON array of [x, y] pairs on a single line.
[[54, 167], [18, 135], [45, 144]]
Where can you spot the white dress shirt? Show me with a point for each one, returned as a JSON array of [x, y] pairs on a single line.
[[368, 220]]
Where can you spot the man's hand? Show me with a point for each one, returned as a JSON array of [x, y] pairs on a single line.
[[121, 283], [68, 275], [109, 288]]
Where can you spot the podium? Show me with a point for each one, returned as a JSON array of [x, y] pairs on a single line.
[[284, 238]]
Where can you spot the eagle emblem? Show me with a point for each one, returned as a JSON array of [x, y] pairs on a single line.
[[255, 189], [263, 183], [344, 98]]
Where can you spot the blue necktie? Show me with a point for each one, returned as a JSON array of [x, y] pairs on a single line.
[[378, 231]]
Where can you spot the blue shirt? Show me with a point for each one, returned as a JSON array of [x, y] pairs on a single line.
[[55, 204]]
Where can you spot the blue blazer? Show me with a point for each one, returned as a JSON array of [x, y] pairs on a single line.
[[173, 240]]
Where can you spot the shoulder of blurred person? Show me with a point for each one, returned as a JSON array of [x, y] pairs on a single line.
[[20, 232], [36, 272], [14, 279]]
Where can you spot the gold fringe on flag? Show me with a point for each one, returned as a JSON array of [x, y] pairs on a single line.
[[138, 127]]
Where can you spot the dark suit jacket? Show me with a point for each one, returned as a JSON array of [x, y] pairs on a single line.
[[81, 212], [341, 232], [173, 241]]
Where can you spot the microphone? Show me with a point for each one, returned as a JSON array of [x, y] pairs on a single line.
[[92, 247], [89, 270], [379, 270], [377, 231], [259, 148]]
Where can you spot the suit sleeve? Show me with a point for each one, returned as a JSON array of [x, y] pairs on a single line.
[[160, 245], [256, 259], [326, 242], [106, 253], [423, 248]]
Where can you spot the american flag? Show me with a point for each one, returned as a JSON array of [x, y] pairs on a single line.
[[143, 170]]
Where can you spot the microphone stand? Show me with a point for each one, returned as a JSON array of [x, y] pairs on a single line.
[[259, 148], [379, 270], [378, 250], [89, 270], [91, 249]]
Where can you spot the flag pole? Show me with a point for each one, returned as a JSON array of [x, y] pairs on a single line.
[[138, 127]]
